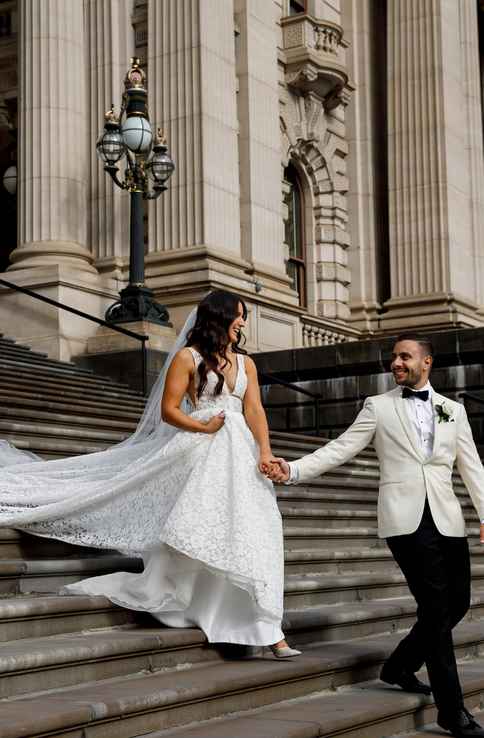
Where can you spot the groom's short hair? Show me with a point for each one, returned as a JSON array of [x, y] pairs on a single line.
[[424, 342]]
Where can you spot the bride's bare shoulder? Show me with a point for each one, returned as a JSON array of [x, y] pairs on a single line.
[[183, 359]]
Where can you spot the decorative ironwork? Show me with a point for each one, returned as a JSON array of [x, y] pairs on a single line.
[[149, 167]]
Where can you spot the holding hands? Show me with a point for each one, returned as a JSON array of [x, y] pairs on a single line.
[[275, 468]]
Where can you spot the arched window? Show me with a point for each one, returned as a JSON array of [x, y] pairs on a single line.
[[294, 232]]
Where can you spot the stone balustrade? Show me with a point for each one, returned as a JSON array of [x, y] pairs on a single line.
[[314, 52], [315, 334]]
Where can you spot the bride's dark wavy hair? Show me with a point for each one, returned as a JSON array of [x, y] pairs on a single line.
[[210, 335]]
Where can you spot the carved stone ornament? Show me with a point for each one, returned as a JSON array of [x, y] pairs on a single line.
[[314, 60]]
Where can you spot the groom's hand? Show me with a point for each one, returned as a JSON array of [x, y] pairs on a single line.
[[481, 537], [280, 471]]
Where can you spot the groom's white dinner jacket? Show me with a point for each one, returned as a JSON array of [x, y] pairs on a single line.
[[407, 476]]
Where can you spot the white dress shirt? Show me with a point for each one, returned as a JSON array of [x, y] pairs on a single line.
[[422, 414]]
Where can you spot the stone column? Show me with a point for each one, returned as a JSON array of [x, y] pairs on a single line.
[[52, 186], [362, 136], [194, 227], [433, 213], [259, 145], [469, 39], [110, 45], [191, 72]]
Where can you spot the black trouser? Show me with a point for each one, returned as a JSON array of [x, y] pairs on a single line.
[[437, 570]]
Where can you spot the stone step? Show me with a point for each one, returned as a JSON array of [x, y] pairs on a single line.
[[309, 518], [329, 497], [340, 537], [338, 560], [8, 341], [369, 709], [374, 617], [307, 590], [433, 729], [63, 373], [49, 575], [32, 415], [67, 659], [14, 352], [19, 429], [37, 616], [349, 537], [54, 448], [309, 615], [346, 486], [45, 663], [126, 706], [297, 441], [15, 379], [301, 589], [37, 400], [77, 402], [347, 560], [15, 544], [10, 345], [55, 662]]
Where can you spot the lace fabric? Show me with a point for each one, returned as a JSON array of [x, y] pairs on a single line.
[[198, 495]]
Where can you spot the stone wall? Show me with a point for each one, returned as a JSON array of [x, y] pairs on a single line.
[[344, 375]]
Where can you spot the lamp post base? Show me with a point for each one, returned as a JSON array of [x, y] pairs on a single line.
[[137, 303]]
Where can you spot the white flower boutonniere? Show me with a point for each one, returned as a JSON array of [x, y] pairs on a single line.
[[444, 415]]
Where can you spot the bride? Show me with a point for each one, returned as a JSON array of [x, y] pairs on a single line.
[[187, 492]]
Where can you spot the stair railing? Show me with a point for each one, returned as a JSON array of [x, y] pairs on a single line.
[[471, 396], [289, 385], [138, 336]]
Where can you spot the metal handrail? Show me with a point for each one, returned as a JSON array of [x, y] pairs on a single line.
[[93, 318], [471, 396], [289, 385], [316, 398]]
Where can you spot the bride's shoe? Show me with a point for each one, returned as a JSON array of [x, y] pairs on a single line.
[[284, 652]]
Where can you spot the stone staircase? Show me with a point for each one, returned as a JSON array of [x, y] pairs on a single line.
[[79, 667]]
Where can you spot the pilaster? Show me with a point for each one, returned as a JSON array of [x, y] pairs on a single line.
[[365, 162], [52, 171], [110, 45], [433, 182], [260, 152], [191, 70]]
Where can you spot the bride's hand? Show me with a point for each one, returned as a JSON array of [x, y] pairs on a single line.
[[215, 423], [266, 463]]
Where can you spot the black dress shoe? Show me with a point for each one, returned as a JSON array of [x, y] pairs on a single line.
[[461, 725], [406, 680]]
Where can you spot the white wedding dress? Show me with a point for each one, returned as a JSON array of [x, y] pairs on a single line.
[[197, 509]]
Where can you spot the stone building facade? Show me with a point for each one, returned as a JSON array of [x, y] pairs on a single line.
[[329, 163]]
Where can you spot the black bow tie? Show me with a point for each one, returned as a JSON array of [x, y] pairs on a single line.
[[422, 395]]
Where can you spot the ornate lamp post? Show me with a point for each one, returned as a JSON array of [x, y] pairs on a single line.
[[148, 168]]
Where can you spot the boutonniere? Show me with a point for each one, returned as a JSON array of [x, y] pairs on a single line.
[[443, 414]]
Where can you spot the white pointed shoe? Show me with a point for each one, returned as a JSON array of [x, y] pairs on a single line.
[[284, 652]]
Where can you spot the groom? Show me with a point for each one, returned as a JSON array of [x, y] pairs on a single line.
[[417, 434]]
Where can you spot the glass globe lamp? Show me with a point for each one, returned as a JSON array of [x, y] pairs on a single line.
[[10, 179], [160, 166], [110, 146], [137, 134]]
